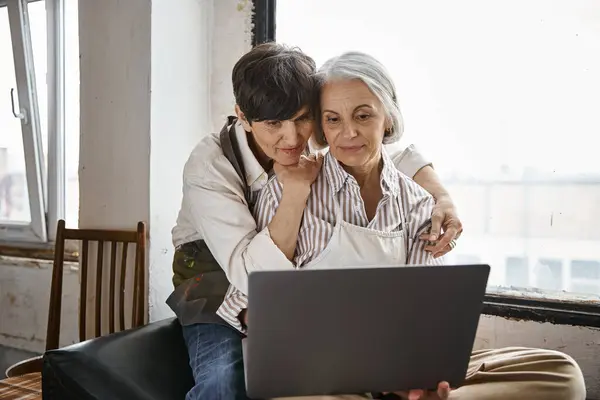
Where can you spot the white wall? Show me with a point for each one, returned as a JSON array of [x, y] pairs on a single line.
[[191, 96], [161, 120], [180, 110], [231, 38], [154, 80], [114, 161]]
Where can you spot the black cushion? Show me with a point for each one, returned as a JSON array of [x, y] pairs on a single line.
[[147, 363]]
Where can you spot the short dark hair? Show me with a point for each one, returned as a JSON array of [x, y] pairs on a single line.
[[273, 82]]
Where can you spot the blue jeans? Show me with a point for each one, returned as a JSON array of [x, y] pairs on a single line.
[[216, 359]]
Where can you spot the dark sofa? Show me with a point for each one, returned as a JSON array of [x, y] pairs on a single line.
[[147, 363]]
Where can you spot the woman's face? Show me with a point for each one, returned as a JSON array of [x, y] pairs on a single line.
[[281, 141], [353, 121]]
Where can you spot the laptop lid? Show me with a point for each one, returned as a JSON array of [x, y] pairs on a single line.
[[360, 330]]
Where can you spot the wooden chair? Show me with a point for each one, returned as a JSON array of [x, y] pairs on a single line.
[[117, 240]]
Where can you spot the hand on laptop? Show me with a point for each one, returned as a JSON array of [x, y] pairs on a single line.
[[443, 393]]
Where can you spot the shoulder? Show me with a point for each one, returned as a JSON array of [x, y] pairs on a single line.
[[205, 152], [394, 149], [411, 187], [409, 160], [416, 204], [405, 186], [397, 152], [208, 167], [412, 195]]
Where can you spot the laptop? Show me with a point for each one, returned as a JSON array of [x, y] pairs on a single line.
[[361, 330]]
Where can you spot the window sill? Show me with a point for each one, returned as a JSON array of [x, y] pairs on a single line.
[[558, 308], [22, 262], [41, 251]]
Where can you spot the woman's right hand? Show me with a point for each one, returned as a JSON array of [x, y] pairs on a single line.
[[442, 393], [300, 175]]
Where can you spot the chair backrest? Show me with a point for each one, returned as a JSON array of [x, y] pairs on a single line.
[[119, 242]]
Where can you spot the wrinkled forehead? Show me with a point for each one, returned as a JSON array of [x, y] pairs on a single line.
[[347, 94]]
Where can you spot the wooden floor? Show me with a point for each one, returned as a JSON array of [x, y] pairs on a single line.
[[24, 387]]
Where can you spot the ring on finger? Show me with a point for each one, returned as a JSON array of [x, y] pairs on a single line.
[[452, 243]]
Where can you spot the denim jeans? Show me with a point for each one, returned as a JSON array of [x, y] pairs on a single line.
[[216, 359]]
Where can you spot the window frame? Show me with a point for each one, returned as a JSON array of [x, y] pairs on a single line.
[[263, 21], [46, 192], [528, 304], [28, 113], [56, 81]]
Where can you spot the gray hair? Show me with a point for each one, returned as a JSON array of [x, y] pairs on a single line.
[[356, 65]]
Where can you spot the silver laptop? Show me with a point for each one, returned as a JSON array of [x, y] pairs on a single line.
[[363, 330]]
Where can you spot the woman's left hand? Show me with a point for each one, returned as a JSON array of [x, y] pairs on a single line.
[[446, 227]]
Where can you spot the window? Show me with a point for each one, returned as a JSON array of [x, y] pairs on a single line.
[[585, 276], [549, 274], [39, 118], [517, 273], [589, 270], [503, 97]]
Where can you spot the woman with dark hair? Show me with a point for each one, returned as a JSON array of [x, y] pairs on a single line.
[[217, 240]]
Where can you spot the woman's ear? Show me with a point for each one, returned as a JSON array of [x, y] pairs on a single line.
[[388, 127], [242, 118]]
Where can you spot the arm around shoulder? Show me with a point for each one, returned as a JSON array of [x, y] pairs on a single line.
[[408, 160], [219, 211], [446, 225]]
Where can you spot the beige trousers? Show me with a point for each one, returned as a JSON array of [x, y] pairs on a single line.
[[512, 373]]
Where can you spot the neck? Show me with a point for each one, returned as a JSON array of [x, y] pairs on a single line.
[[368, 174], [265, 162]]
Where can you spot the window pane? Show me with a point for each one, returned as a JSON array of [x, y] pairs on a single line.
[[493, 108], [38, 21], [585, 269], [14, 202], [516, 272]]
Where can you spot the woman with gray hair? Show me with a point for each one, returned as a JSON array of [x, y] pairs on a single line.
[[362, 211]]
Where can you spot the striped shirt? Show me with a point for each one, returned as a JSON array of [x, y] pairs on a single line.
[[402, 200]]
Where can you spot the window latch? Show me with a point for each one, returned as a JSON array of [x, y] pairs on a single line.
[[22, 115]]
